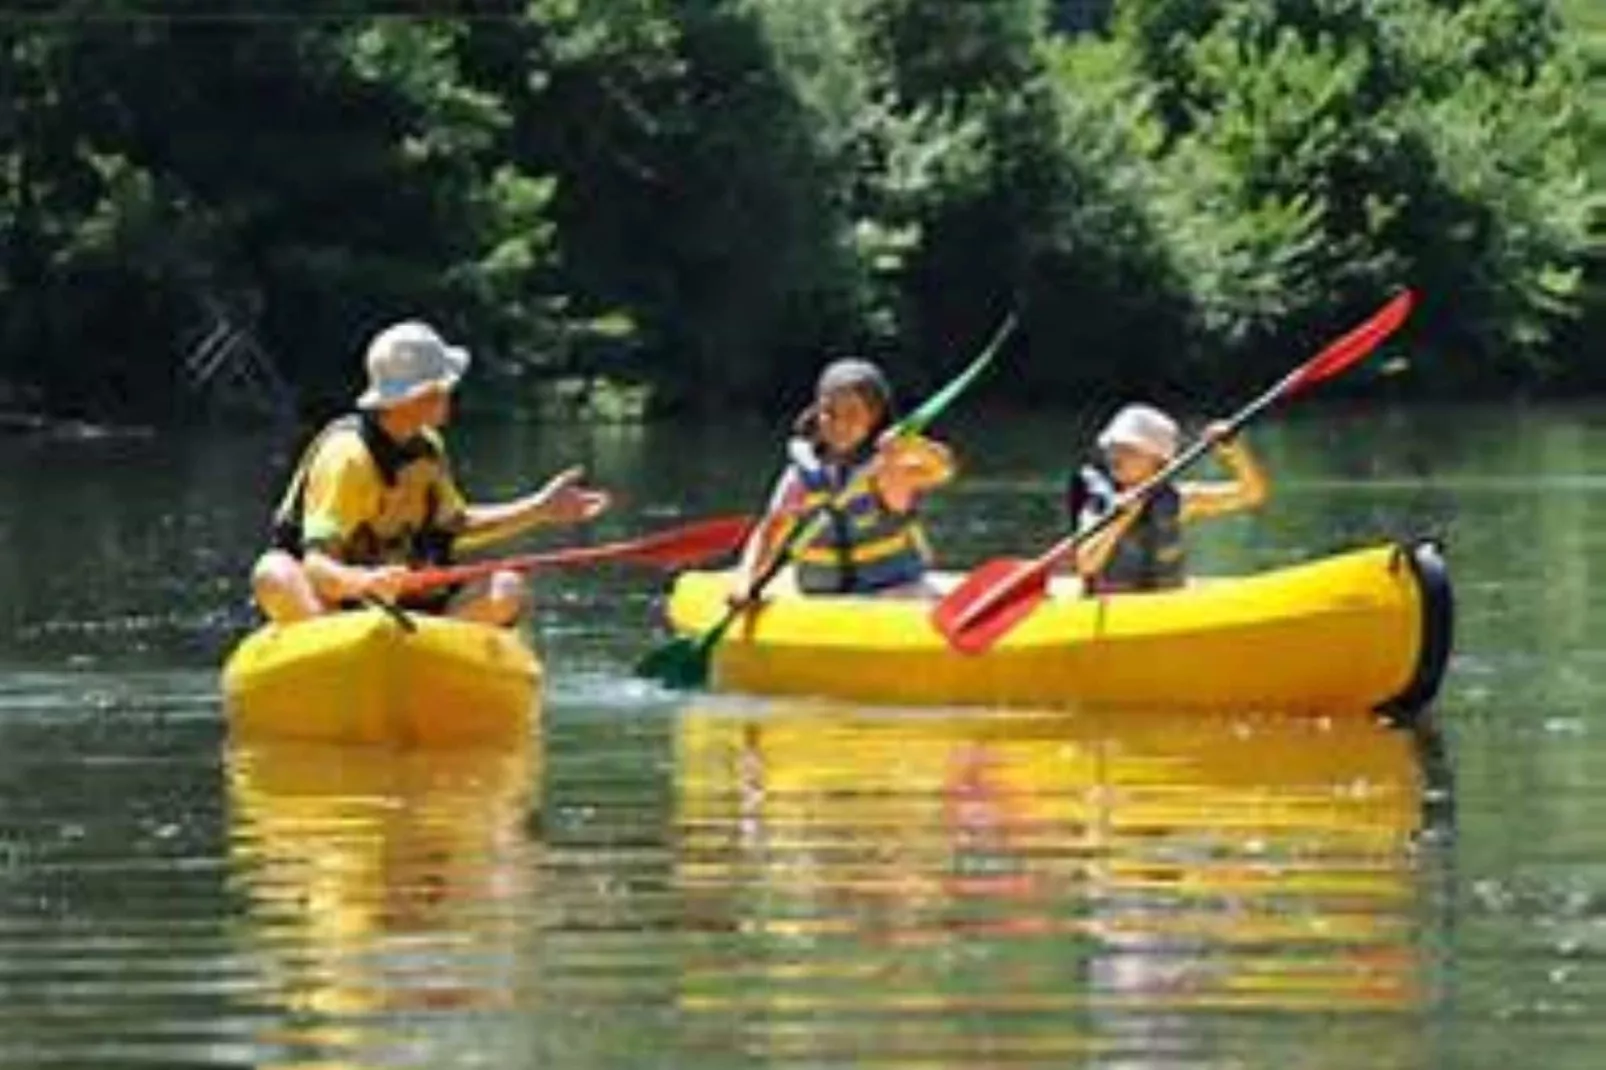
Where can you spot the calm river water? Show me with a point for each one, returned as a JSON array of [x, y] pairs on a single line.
[[660, 881]]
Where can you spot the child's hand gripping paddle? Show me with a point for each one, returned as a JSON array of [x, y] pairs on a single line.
[[683, 662], [1001, 593]]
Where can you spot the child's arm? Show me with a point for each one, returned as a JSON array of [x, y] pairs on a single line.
[[565, 499], [908, 466], [1093, 554], [767, 534], [1248, 488]]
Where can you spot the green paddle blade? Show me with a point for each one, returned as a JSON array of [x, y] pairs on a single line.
[[682, 664]]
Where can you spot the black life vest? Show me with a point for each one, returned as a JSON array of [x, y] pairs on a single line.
[[1150, 555], [430, 545]]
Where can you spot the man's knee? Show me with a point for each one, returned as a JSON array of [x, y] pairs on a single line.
[[274, 570], [509, 592], [281, 587]]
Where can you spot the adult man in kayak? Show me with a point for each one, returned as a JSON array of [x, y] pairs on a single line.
[[374, 494]]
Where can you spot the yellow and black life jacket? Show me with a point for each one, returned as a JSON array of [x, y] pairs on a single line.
[[429, 544]]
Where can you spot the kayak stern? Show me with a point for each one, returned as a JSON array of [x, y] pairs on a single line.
[[361, 677]]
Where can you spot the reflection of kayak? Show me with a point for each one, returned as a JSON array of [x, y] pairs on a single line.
[[379, 878], [360, 677], [1345, 781], [1361, 630], [1145, 861]]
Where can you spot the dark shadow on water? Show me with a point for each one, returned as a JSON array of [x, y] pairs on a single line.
[[1433, 755]]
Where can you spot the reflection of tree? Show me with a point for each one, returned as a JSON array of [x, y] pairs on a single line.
[[942, 886], [379, 881]]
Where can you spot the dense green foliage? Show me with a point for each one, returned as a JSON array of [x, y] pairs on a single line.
[[711, 195]]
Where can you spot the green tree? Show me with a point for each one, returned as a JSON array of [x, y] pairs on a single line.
[[714, 196], [694, 189], [329, 174], [1325, 151]]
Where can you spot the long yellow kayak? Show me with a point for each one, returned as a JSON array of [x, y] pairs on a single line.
[[362, 677], [1364, 630]]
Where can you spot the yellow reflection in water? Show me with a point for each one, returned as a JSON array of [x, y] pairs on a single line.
[[380, 881], [1032, 880]]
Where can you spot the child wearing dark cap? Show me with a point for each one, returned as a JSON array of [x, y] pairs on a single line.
[[868, 483]]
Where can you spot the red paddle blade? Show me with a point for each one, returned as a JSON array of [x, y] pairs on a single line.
[[990, 601], [693, 543], [1355, 345]]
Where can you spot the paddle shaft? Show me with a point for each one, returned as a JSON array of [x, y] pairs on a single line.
[[1332, 360], [675, 546]]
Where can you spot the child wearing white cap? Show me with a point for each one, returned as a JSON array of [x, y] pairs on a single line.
[[374, 494], [1142, 550]]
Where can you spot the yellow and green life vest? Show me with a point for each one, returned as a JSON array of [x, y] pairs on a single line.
[[865, 547]]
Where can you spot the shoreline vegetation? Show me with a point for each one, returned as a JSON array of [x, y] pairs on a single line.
[[637, 209]]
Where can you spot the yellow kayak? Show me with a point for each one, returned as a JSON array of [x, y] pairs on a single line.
[[1368, 629], [361, 677]]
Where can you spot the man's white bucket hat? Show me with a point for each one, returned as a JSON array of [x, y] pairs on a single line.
[[406, 360]]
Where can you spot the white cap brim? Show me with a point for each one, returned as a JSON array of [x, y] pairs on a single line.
[[389, 395], [1118, 438]]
